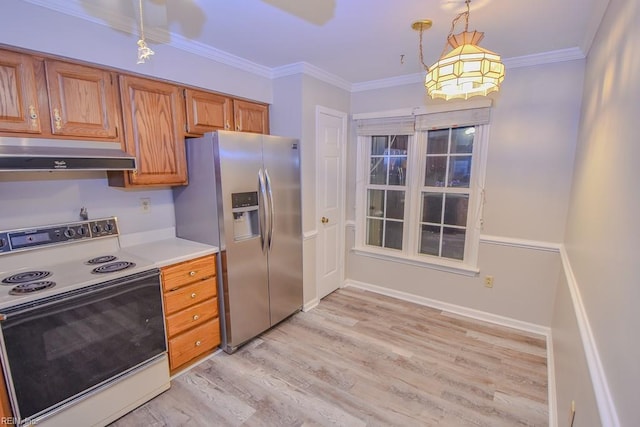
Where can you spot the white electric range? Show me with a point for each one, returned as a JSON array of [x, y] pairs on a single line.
[[81, 324]]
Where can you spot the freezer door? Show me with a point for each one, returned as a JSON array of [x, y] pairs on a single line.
[[245, 276], [284, 241]]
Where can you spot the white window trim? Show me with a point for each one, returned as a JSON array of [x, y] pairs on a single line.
[[409, 255]]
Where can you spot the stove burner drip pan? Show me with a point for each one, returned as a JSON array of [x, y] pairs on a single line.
[[25, 276], [26, 288], [113, 267], [101, 259]]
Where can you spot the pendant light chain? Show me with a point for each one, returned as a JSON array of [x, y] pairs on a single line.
[[453, 26], [141, 21]]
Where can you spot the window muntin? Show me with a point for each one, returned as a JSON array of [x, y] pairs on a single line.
[[386, 191], [445, 192]]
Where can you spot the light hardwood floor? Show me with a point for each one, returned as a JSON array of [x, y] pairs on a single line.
[[364, 359]]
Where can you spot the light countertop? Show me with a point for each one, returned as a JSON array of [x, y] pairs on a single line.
[[165, 249]]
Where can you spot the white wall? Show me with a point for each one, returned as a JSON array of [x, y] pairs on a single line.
[[294, 114], [40, 198], [572, 379], [528, 178], [603, 231]]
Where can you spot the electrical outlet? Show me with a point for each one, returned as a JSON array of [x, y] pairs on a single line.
[[488, 281], [145, 204]]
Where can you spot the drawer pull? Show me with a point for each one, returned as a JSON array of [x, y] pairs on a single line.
[[196, 317], [193, 295], [192, 273], [198, 343]]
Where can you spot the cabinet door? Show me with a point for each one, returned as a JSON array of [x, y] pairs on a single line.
[[153, 130], [18, 94], [207, 112], [251, 117], [82, 101]]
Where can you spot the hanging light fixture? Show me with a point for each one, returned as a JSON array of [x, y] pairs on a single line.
[[467, 70], [144, 51]]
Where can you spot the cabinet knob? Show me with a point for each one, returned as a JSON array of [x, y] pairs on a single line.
[[198, 343], [193, 295], [192, 273], [33, 116], [57, 118], [238, 127], [196, 317], [324, 220], [227, 125]]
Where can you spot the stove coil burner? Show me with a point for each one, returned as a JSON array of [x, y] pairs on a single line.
[[113, 267], [27, 288], [25, 276], [101, 259]]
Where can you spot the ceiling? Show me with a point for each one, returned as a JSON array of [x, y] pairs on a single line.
[[354, 40]]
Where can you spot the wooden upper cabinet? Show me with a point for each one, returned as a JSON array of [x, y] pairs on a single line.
[[250, 116], [82, 101], [153, 132], [207, 112], [19, 109]]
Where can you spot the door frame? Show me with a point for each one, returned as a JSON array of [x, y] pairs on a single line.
[[341, 197]]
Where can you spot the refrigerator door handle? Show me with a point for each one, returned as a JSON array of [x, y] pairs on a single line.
[[271, 208], [262, 212]]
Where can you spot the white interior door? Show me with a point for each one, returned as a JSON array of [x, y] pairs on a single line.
[[331, 138]]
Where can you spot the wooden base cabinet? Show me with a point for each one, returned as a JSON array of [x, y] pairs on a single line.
[[191, 310]]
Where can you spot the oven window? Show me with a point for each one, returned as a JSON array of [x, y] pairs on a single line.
[[58, 350]]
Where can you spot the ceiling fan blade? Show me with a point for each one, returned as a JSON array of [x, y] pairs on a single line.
[[317, 12]]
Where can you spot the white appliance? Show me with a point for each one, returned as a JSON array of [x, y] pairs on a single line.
[[81, 325]]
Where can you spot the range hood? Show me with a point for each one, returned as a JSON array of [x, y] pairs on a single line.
[[35, 154]]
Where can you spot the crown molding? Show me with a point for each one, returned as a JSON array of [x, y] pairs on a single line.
[[313, 71], [407, 79], [550, 57], [125, 24], [509, 63]]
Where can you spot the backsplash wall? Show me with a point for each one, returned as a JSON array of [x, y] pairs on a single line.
[[40, 198]]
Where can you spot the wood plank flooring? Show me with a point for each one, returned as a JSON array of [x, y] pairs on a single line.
[[363, 359]]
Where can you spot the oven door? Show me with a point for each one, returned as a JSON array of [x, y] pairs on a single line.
[[59, 348]]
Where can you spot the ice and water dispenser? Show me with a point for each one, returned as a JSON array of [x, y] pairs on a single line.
[[244, 207]]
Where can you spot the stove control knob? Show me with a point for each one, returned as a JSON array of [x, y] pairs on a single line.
[[69, 232], [2, 243], [97, 228], [108, 227], [82, 231]]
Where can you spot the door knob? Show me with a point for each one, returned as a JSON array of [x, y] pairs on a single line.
[[324, 220]]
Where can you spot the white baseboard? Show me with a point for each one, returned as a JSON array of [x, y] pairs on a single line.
[[311, 304], [606, 407], [452, 308]]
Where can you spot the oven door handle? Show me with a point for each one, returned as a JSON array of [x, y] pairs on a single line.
[[68, 296]]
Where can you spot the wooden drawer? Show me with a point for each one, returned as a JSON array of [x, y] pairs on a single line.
[[191, 316], [184, 273], [193, 343], [189, 295]]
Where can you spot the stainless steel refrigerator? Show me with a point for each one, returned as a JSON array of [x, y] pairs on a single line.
[[244, 197]]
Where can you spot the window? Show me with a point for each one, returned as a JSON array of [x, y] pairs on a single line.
[[419, 194], [386, 190]]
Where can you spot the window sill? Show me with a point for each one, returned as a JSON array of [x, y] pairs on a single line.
[[440, 265]]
